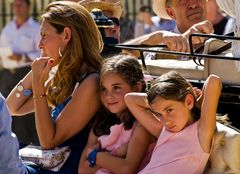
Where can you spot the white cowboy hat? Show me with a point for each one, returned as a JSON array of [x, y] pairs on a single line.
[[116, 8], [159, 7]]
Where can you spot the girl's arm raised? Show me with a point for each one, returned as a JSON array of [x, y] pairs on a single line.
[[207, 123], [138, 105]]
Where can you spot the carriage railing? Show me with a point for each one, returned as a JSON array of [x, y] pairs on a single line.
[[196, 54]]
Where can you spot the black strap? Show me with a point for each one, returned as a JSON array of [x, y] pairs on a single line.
[[221, 49], [86, 74]]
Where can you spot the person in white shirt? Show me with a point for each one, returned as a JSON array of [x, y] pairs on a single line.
[[21, 36], [231, 7], [217, 17]]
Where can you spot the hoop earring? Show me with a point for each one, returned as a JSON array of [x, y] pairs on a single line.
[[59, 52]]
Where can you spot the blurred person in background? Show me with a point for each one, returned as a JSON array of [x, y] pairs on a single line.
[[232, 8], [106, 14], [216, 17], [111, 9], [148, 23], [20, 36]]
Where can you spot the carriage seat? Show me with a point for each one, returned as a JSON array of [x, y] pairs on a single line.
[[225, 69], [225, 153]]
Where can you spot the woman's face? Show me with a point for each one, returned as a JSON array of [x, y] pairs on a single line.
[[51, 41], [113, 90]]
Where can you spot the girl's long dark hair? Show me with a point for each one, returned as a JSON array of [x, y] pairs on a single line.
[[131, 72]]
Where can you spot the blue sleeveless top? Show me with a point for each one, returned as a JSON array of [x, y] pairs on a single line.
[[76, 143]]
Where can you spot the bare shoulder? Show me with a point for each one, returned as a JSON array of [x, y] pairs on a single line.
[[93, 77], [88, 87], [91, 81]]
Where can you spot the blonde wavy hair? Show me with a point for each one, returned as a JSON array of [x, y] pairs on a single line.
[[83, 48]]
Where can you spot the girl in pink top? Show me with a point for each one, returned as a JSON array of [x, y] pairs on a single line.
[[117, 143], [167, 111]]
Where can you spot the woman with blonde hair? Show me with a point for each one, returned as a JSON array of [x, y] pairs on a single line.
[[64, 79]]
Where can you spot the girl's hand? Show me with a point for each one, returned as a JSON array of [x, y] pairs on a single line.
[[40, 72], [198, 94], [121, 151], [94, 146]]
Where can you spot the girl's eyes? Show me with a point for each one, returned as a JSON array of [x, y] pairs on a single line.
[[103, 89], [116, 88], [156, 113], [160, 115], [169, 110]]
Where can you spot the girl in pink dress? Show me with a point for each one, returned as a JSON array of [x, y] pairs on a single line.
[[167, 111], [117, 142]]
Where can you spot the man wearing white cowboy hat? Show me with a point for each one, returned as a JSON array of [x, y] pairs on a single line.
[[190, 18]]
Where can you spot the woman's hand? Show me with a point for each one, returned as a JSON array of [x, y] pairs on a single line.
[[40, 70]]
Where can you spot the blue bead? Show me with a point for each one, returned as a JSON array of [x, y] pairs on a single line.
[[27, 92]]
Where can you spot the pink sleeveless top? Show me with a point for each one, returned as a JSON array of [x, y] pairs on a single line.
[[177, 153], [117, 137]]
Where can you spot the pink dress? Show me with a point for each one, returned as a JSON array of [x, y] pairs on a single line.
[[119, 136], [177, 153]]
